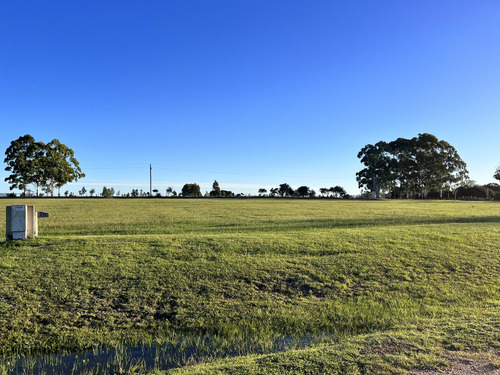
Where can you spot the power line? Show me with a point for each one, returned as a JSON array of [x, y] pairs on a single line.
[[219, 171]]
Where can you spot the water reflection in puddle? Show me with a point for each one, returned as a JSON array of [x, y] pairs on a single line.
[[144, 358]]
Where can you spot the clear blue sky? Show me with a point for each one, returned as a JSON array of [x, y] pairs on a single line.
[[252, 93]]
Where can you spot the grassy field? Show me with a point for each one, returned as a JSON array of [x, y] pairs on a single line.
[[255, 286]]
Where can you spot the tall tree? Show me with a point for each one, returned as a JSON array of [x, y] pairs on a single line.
[[411, 166], [262, 191], [377, 173], [43, 165], [450, 169], [215, 189], [404, 166], [23, 162], [60, 165]]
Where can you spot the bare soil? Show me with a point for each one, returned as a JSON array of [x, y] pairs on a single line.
[[468, 365]]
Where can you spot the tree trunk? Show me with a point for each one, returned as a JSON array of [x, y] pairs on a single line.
[[375, 188]]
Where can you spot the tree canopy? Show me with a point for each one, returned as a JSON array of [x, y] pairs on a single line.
[[107, 192], [191, 190], [42, 165], [215, 189], [497, 174], [285, 190], [303, 191], [22, 158], [410, 167]]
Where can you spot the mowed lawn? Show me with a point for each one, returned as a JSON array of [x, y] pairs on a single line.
[[374, 286]]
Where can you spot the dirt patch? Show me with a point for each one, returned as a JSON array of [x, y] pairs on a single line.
[[389, 347], [475, 364]]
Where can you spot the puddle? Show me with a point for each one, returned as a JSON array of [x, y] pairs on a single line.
[[144, 358]]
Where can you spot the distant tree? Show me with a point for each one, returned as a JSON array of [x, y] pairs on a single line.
[[215, 189], [303, 191], [338, 192], [493, 186], [497, 174], [191, 190], [262, 191], [82, 191], [474, 191], [169, 191], [66, 193], [312, 193], [107, 192], [285, 190], [324, 191], [174, 193], [92, 192], [46, 190], [273, 192], [226, 193], [156, 193]]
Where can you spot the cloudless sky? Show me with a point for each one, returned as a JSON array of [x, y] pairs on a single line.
[[252, 93]]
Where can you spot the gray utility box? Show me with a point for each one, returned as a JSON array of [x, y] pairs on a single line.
[[22, 222]]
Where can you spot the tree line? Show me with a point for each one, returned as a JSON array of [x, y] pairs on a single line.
[[285, 190], [193, 190], [420, 167]]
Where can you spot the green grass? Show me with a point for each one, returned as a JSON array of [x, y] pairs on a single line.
[[415, 279]]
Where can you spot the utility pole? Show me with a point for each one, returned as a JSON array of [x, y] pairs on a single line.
[[150, 181]]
